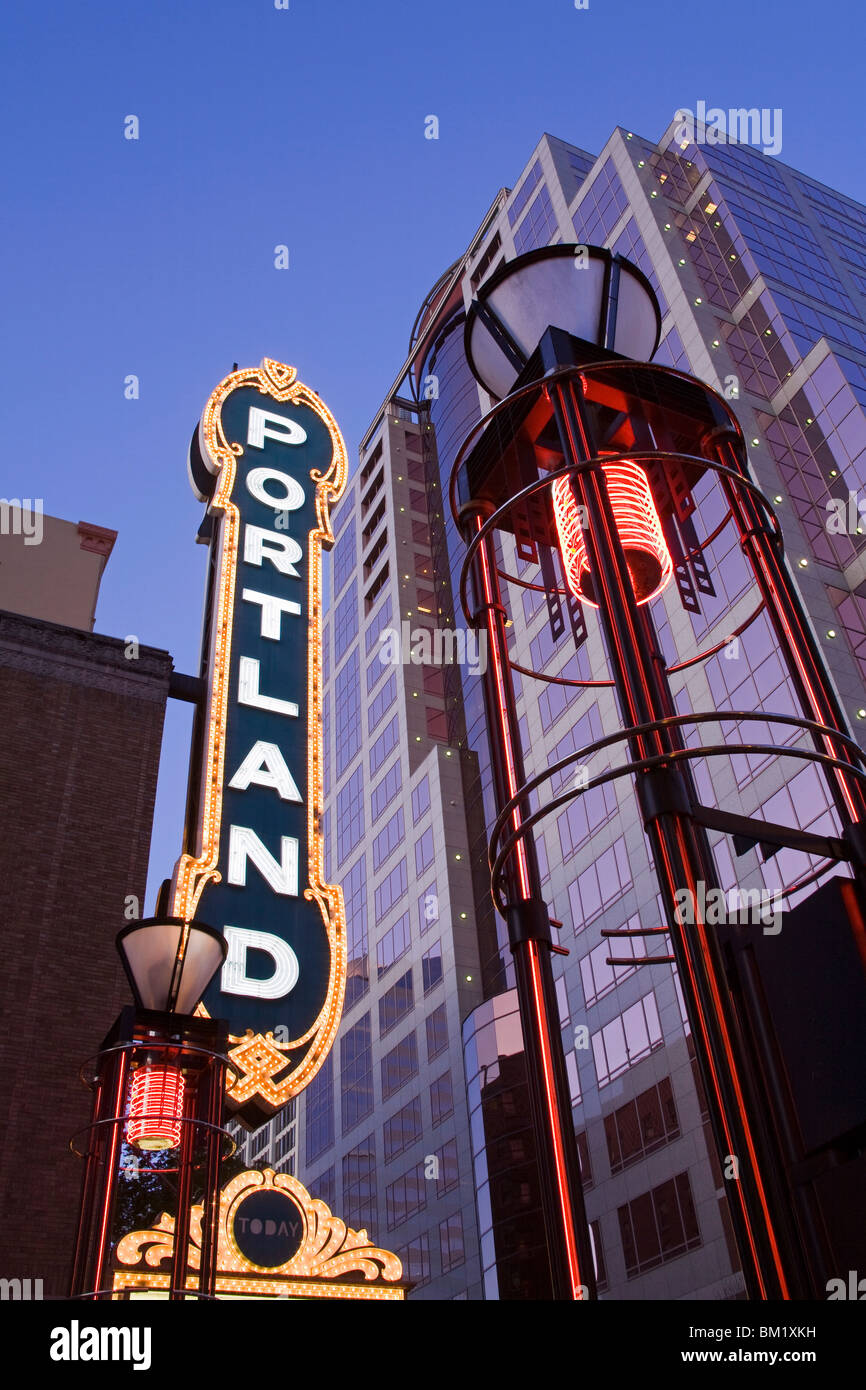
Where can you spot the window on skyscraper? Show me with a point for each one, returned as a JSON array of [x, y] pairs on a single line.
[[626, 1039], [399, 1065], [658, 1226], [388, 838], [393, 945], [447, 1167], [431, 966], [359, 1185], [396, 1003], [347, 707], [356, 1073], [385, 790], [345, 621], [390, 890], [641, 1125], [441, 1098], [420, 799], [386, 741], [403, 1129], [451, 1242], [415, 1258], [437, 1032], [320, 1111], [424, 851], [405, 1196]]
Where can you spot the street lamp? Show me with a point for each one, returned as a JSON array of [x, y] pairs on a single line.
[[585, 291], [592, 453], [569, 289], [159, 1081], [169, 964]]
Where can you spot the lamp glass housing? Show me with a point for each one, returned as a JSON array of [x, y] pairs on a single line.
[[170, 962]]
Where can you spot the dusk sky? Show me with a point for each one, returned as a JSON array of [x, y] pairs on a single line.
[[304, 127]]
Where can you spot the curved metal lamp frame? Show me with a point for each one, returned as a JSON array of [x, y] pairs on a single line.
[[499, 859]]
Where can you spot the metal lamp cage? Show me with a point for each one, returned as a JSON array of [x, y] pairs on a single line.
[[563, 433], [196, 1121]]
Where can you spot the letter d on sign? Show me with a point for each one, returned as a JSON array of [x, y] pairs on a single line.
[[235, 979]]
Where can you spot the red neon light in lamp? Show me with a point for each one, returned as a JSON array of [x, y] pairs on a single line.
[[156, 1108], [646, 553]]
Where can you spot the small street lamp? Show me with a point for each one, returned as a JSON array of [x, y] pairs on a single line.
[[159, 1083]]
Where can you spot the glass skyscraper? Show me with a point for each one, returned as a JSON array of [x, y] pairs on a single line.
[[417, 1126]]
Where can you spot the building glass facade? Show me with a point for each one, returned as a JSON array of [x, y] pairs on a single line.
[[419, 1121]]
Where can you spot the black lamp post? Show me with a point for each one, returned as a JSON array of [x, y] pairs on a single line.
[[503, 328], [158, 1083]]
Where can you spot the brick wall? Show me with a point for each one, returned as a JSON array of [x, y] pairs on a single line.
[[80, 735]]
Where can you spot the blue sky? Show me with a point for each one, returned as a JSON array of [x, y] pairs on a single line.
[[304, 127]]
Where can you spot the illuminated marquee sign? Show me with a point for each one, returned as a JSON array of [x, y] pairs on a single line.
[[270, 461], [273, 1241]]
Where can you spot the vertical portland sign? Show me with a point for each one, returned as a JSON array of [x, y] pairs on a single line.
[[269, 461]]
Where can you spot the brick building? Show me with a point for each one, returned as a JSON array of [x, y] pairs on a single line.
[[82, 728]]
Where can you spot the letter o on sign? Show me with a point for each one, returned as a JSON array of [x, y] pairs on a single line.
[[293, 493], [268, 1228]]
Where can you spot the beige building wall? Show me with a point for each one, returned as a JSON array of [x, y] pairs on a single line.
[[51, 569]]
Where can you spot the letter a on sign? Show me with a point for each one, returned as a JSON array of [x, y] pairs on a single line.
[[268, 462]]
